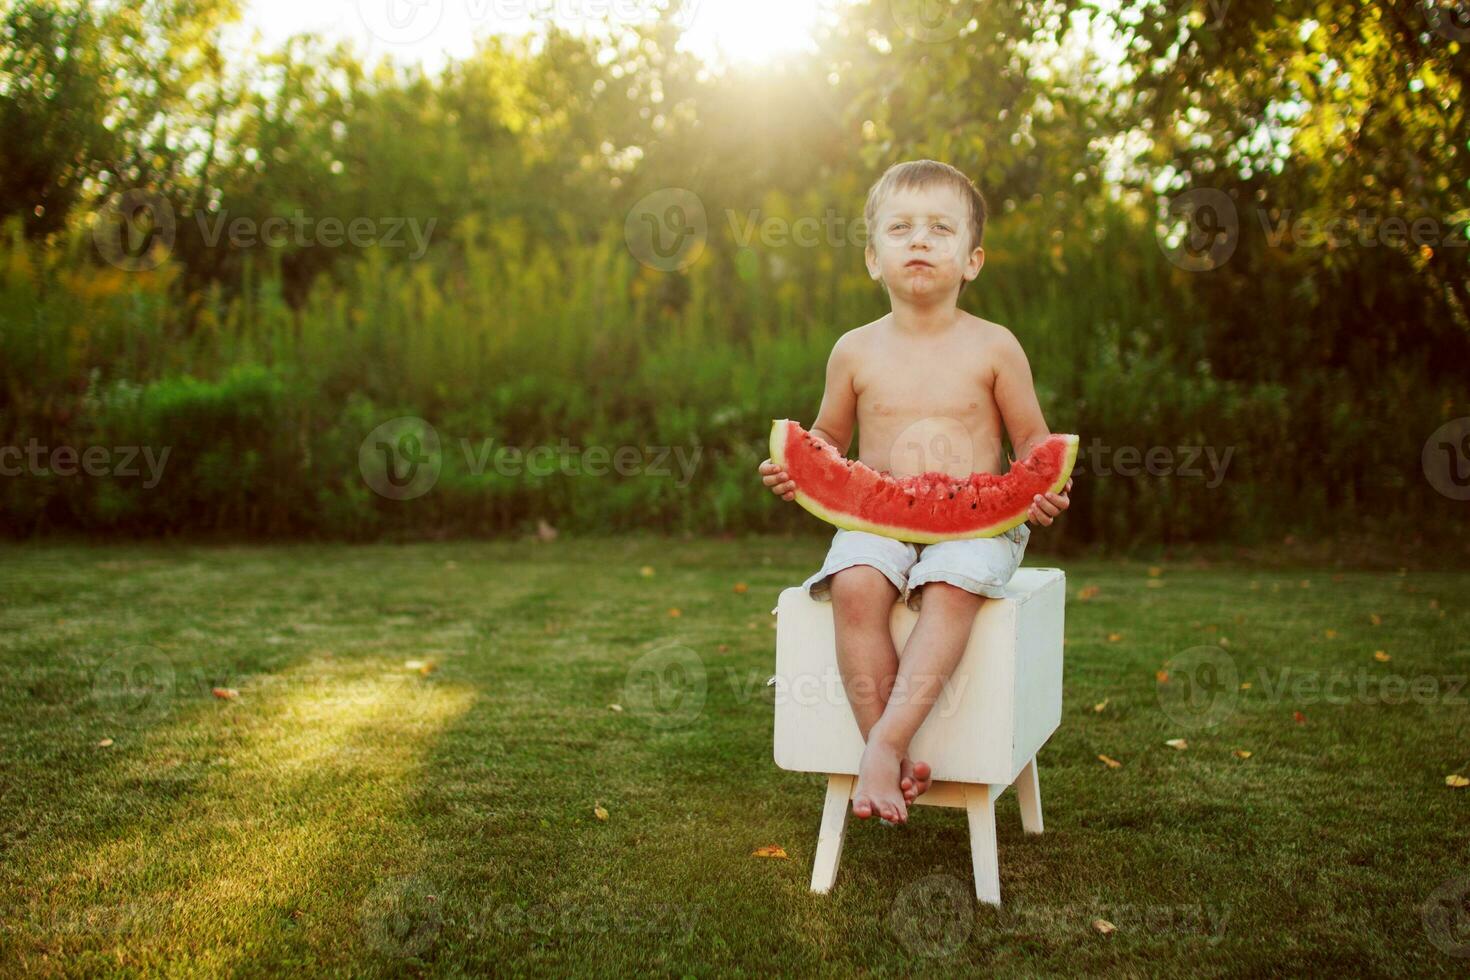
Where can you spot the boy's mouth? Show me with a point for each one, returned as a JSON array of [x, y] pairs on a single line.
[[917, 263]]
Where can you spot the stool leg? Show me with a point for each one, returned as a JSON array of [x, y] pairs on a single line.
[[1028, 794], [834, 827], [980, 807]]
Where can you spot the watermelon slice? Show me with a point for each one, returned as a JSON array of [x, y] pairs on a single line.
[[924, 509]]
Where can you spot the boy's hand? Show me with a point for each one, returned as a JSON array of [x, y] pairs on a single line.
[[775, 478], [1046, 508]]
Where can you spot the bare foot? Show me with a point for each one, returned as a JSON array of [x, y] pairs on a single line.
[[913, 778], [877, 790]]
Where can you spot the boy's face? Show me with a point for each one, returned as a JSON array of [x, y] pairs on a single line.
[[920, 244]]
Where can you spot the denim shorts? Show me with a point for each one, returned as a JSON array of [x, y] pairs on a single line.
[[979, 565]]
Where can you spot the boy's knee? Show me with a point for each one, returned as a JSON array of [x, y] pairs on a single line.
[[861, 587], [943, 593]]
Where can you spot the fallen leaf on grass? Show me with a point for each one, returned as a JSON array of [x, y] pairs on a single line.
[[1298, 717], [225, 693], [1110, 762], [769, 851], [741, 588], [1103, 927], [1101, 705], [1162, 676], [646, 571], [1154, 571], [1330, 634], [615, 707], [1177, 743], [674, 612], [1114, 637], [104, 743], [1087, 593], [1242, 753], [1381, 656], [599, 810], [1375, 619], [1245, 685], [1456, 781]]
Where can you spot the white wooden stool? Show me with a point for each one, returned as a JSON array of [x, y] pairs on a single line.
[[1000, 706]]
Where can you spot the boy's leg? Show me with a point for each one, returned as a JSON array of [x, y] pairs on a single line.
[[930, 656], [862, 603], [952, 579]]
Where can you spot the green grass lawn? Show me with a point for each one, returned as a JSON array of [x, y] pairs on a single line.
[[352, 812]]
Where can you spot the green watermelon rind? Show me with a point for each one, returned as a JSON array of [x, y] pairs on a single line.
[[781, 427]]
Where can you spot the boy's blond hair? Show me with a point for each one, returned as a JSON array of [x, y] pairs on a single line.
[[923, 173]]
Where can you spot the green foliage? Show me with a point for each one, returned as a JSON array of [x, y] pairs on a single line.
[[1312, 374]]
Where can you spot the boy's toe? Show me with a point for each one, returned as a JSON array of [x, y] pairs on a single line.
[[862, 807]]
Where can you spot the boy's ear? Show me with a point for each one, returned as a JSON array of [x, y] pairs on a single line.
[[977, 261], [871, 258]]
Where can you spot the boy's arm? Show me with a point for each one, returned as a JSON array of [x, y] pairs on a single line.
[[1015, 394], [835, 417], [838, 411]]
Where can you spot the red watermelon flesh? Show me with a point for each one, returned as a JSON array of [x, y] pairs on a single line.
[[926, 508]]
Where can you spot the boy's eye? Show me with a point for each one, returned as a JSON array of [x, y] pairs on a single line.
[[898, 226], [941, 226]]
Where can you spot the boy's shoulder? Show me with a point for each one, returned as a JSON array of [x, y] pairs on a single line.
[[853, 341], [988, 331]]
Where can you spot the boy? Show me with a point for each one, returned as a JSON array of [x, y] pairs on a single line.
[[930, 387]]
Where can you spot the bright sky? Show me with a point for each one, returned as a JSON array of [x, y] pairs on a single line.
[[428, 31]]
